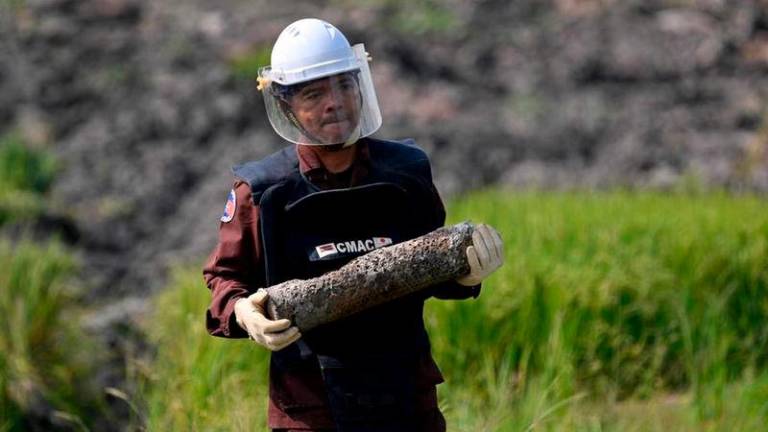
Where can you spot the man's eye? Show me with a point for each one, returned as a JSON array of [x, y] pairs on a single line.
[[310, 96], [346, 85]]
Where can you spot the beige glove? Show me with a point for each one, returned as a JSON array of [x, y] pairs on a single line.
[[485, 255], [273, 335]]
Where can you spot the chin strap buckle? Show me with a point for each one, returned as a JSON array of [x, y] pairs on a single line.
[[263, 83]]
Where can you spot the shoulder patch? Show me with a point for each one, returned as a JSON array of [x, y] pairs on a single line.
[[229, 208]]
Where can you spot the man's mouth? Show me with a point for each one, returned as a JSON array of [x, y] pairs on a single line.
[[334, 121], [337, 117]]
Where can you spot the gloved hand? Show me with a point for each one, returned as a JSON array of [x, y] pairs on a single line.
[[273, 335], [485, 255]]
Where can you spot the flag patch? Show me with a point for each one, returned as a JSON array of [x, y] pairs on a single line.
[[326, 249], [380, 242], [229, 207]]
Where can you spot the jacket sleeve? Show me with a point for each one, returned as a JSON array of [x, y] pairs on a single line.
[[235, 268]]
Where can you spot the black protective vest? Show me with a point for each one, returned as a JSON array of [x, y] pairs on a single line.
[[368, 361]]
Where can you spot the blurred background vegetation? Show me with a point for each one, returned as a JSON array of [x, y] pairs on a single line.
[[614, 311], [621, 148]]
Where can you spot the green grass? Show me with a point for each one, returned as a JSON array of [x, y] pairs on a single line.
[[12, 5], [47, 362], [614, 311], [247, 65], [26, 174], [423, 17], [414, 18], [610, 297], [197, 382], [44, 360]]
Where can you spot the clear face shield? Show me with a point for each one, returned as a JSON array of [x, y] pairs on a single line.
[[339, 107]]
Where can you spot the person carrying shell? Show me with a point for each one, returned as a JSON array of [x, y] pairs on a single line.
[[296, 215]]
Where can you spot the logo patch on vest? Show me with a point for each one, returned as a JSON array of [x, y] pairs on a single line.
[[332, 250], [324, 250], [229, 207]]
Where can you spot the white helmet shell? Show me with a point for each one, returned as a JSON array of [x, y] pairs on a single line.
[[308, 50]]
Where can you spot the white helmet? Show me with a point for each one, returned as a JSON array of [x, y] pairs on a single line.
[[318, 89]]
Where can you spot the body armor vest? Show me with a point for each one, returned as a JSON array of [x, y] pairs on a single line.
[[369, 360]]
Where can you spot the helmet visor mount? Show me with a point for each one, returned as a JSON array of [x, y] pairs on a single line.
[[325, 104]]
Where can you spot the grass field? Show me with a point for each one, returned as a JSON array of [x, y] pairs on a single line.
[[25, 175], [45, 361], [45, 358], [614, 311]]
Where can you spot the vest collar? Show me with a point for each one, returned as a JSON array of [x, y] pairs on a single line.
[[311, 166]]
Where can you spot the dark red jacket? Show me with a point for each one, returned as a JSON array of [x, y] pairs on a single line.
[[232, 266]]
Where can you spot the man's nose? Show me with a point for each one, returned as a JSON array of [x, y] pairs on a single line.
[[331, 103]]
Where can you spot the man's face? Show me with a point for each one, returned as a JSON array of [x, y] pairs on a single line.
[[328, 108]]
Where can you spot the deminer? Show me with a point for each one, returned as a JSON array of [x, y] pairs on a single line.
[[334, 194]]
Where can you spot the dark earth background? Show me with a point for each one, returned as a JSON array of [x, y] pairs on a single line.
[[147, 104]]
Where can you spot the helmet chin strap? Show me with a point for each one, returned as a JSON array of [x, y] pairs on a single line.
[[354, 136], [351, 140], [292, 118]]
